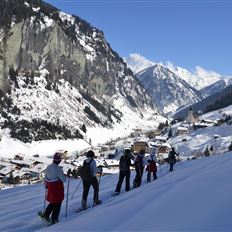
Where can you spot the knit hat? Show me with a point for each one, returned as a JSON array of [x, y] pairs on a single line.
[[57, 157], [90, 153], [127, 151]]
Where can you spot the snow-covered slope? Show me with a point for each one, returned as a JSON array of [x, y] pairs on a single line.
[[195, 197], [168, 91], [217, 86]]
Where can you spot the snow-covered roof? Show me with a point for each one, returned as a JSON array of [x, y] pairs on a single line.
[[162, 138], [5, 171], [19, 173], [21, 162], [182, 128], [112, 162], [38, 168], [166, 145], [6, 164]]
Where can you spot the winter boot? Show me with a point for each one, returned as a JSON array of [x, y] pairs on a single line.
[[84, 204], [54, 222], [98, 202], [43, 216]]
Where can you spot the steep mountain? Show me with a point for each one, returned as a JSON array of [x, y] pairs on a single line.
[[58, 74], [199, 78], [168, 90], [216, 87], [213, 102]]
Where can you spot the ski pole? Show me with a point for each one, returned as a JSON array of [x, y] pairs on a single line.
[[160, 169], [76, 189], [67, 199], [45, 197], [100, 177]]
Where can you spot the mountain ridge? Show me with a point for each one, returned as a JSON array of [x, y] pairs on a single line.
[[168, 90]]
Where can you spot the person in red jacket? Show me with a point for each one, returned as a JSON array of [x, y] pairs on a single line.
[[54, 178], [151, 167]]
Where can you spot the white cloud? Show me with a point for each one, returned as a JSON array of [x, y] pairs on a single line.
[[137, 62]]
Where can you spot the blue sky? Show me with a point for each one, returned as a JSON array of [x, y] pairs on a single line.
[[187, 33]]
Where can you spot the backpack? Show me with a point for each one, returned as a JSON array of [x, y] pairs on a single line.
[[85, 171], [172, 155], [139, 162], [152, 166], [124, 163]]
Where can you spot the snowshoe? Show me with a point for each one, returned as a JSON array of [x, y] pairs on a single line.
[[81, 209], [54, 222], [115, 194], [98, 202], [43, 217]]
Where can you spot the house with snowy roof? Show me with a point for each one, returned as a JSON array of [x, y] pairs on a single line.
[[23, 163], [20, 175], [38, 171], [163, 151]]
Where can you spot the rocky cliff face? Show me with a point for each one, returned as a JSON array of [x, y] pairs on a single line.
[[44, 54]]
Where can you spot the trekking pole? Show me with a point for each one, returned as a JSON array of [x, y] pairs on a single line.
[[67, 199], [45, 197], [100, 177], [160, 169], [76, 189]]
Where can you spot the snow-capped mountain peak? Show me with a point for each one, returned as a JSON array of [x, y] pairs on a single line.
[[199, 78], [168, 90]]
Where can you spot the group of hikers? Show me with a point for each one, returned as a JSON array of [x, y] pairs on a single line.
[[54, 178]]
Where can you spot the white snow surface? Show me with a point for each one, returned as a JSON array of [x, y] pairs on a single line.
[[196, 196]]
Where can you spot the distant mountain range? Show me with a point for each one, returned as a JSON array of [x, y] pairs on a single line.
[[199, 79], [174, 88], [168, 91]]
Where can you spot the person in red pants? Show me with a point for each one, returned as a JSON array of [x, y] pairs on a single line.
[[151, 166], [54, 179]]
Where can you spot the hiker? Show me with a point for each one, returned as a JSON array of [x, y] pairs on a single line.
[[151, 165], [139, 164], [172, 158], [91, 180], [124, 170], [53, 182]]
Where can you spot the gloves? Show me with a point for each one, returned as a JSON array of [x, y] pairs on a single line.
[[100, 168]]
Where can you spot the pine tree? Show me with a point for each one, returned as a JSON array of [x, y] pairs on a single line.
[[207, 152], [211, 148], [230, 147]]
